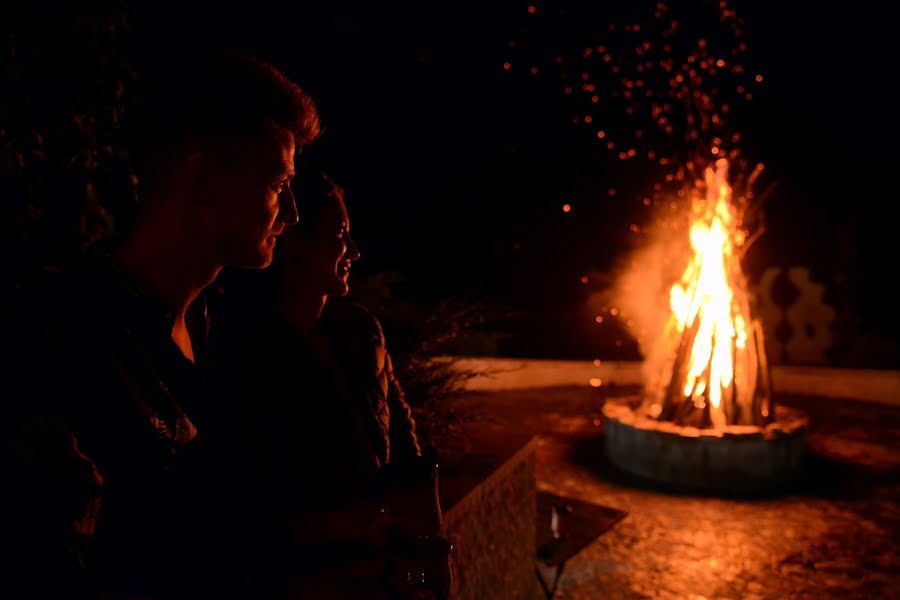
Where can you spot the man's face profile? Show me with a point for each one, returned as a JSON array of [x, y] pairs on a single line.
[[252, 198]]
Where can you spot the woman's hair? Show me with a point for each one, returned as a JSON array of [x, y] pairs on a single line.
[[311, 188]]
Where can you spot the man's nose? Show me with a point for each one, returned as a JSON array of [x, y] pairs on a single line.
[[287, 207]]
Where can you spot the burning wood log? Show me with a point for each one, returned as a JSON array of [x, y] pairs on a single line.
[[673, 397], [764, 398]]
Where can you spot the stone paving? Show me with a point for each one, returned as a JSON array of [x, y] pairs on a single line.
[[834, 534]]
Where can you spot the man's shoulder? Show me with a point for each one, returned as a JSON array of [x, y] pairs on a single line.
[[80, 290], [39, 308], [62, 321]]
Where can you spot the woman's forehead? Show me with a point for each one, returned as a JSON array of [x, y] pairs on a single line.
[[328, 212], [334, 207]]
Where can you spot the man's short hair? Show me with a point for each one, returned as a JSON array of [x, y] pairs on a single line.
[[211, 98]]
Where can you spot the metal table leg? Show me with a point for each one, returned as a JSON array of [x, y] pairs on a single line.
[[550, 591]]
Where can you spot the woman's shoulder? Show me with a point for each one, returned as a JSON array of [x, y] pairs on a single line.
[[353, 320]]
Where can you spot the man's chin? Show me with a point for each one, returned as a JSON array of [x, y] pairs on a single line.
[[259, 260]]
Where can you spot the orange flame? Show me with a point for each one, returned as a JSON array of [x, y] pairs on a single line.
[[706, 292]]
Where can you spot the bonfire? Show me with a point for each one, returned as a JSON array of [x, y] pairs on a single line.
[[714, 371]]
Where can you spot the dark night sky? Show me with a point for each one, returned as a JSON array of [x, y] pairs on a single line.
[[449, 161]]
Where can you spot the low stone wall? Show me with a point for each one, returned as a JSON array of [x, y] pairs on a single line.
[[866, 385], [492, 530]]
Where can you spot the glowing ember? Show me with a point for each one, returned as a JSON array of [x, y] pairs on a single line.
[[718, 370]]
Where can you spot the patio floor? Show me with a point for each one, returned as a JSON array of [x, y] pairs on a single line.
[[834, 534]]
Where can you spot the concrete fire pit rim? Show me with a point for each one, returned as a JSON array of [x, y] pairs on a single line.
[[788, 422], [720, 462]]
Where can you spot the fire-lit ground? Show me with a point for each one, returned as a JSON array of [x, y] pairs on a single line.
[[836, 534]]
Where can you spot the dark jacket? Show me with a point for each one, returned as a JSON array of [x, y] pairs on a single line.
[[100, 455], [315, 432], [323, 426], [359, 342]]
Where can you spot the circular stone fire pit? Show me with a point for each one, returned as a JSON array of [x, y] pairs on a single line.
[[736, 459]]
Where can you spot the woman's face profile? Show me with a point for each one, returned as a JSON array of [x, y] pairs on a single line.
[[320, 252]]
